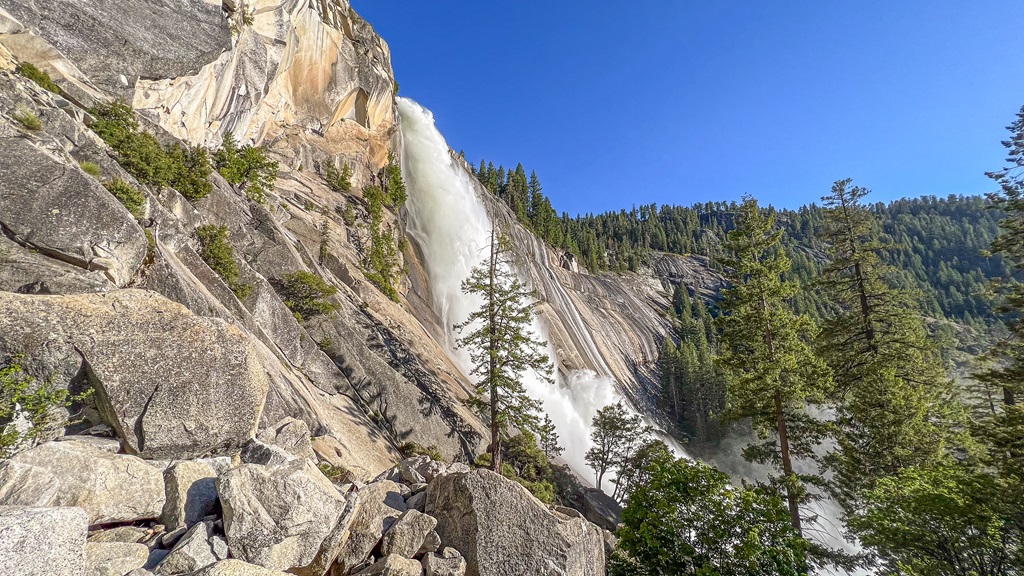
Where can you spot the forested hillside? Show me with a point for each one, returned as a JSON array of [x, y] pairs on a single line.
[[936, 245]]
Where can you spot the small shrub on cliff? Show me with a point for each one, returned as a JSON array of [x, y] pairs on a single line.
[[338, 180], [395, 193], [246, 167], [27, 118], [410, 449], [216, 251], [305, 294], [22, 396], [190, 171], [128, 195], [91, 168], [380, 263], [29, 70]]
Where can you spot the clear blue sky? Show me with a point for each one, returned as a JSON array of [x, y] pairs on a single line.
[[623, 103]]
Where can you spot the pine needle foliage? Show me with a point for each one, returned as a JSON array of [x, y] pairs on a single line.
[[247, 167], [502, 348]]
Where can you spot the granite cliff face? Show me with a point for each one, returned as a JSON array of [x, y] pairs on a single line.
[[95, 297]]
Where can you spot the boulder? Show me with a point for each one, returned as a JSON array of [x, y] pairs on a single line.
[[393, 565], [291, 435], [114, 558], [42, 541], [417, 501], [64, 213], [259, 452], [236, 568], [192, 552], [406, 536], [447, 563], [502, 530], [380, 505], [289, 517], [172, 384], [128, 534], [109, 487], [421, 469], [602, 509], [431, 543], [191, 493]]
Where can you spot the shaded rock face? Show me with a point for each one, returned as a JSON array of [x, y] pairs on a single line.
[[602, 509], [115, 46], [502, 530], [380, 505], [191, 494], [173, 385], [55, 537], [109, 487], [66, 214]]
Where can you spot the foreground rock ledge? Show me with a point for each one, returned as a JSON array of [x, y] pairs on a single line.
[[172, 384], [502, 530]]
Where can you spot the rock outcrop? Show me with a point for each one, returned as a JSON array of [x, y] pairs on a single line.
[[42, 541], [502, 530], [173, 385]]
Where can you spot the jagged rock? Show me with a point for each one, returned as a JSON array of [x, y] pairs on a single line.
[[406, 536], [191, 493], [139, 572], [425, 466], [192, 552], [286, 517], [114, 558], [448, 563], [66, 214], [236, 568], [501, 529], [149, 39], [109, 487], [42, 541], [410, 475], [155, 558], [393, 565], [431, 543], [291, 435], [256, 451], [380, 505], [602, 509], [417, 501], [172, 384], [128, 534]]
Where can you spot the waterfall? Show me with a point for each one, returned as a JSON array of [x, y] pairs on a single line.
[[452, 228]]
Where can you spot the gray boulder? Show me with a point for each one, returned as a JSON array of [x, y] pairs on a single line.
[[502, 530], [602, 509], [447, 563], [192, 552], [114, 558], [42, 541], [421, 469], [64, 213], [257, 451], [172, 384], [393, 565], [109, 487], [236, 568], [380, 505], [128, 534], [191, 493], [289, 517], [291, 435], [406, 536]]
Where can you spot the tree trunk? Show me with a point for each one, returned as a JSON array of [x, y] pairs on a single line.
[[787, 463], [1009, 398]]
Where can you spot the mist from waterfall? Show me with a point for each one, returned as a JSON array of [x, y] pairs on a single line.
[[451, 226]]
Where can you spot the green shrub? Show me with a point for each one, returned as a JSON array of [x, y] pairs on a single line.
[[24, 115], [395, 193], [410, 449], [541, 489], [380, 264], [38, 402], [91, 168], [325, 343], [338, 181], [305, 294], [247, 167], [216, 251], [336, 474], [150, 245], [28, 70], [128, 195], [186, 169]]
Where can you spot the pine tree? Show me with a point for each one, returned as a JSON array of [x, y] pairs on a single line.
[[502, 349], [895, 406], [773, 373], [616, 435]]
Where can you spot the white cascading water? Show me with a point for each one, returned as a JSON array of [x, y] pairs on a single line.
[[452, 228]]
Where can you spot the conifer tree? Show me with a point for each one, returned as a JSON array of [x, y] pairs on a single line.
[[773, 372], [502, 349], [895, 406]]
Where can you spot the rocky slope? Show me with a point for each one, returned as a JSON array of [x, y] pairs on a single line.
[[188, 380]]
